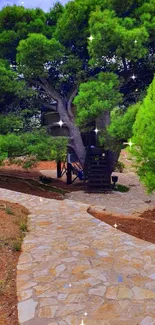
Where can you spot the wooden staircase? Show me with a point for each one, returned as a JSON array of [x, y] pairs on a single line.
[[98, 173]]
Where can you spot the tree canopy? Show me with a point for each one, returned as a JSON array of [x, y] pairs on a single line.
[[98, 55]]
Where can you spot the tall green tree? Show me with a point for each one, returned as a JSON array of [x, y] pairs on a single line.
[[68, 63], [144, 139]]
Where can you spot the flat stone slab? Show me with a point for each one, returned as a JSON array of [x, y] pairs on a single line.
[[26, 310], [75, 269]]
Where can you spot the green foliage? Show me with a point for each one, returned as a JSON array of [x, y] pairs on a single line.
[[122, 122], [119, 167], [35, 52], [109, 142], [144, 139], [11, 146], [53, 50], [16, 245], [97, 96], [23, 227], [31, 147], [15, 24], [11, 89], [10, 123], [52, 18], [9, 210], [114, 36], [27, 163], [59, 149], [8, 41], [121, 188], [8, 83]]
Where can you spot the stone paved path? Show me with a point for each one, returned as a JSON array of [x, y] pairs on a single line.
[[72, 265], [127, 203]]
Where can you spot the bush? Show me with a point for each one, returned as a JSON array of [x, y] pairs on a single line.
[[119, 167], [16, 245], [34, 146], [144, 139]]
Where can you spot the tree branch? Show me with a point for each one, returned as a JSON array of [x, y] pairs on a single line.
[[50, 90], [124, 63], [71, 146], [69, 104], [47, 105]]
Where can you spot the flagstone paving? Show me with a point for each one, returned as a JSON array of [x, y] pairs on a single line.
[[74, 267]]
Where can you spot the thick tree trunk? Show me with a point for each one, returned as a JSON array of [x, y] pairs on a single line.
[[75, 135], [66, 115]]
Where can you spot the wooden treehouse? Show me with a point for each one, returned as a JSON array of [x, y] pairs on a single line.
[[97, 170]]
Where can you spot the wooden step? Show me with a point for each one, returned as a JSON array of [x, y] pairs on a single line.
[[98, 179], [98, 184]]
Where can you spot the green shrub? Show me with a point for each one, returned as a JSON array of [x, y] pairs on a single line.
[[8, 210], [23, 227], [16, 245], [144, 139], [121, 188], [119, 167], [32, 147]]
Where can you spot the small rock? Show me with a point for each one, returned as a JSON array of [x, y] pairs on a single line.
[[97, 208], [100, 291]]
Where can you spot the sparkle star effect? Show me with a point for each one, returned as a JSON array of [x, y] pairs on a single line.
[[70, 285], [115, 225], [61, 123], [133, 77], [130, 143], [91, 38], [96, 130], [85, 314], [82, 323]]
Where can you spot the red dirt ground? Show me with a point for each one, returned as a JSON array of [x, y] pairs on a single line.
[[142, 226], [9, 232], [24, 185]]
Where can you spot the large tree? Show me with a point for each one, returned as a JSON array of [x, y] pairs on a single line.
[[144, 139], [117, 61]]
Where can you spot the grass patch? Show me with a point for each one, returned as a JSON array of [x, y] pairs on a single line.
[[52, 189], [16, 245], [8, 210], [23, 227], [121, 188]]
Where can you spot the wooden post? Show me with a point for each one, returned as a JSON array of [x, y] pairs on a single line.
[[59, 169], [69, 174]]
